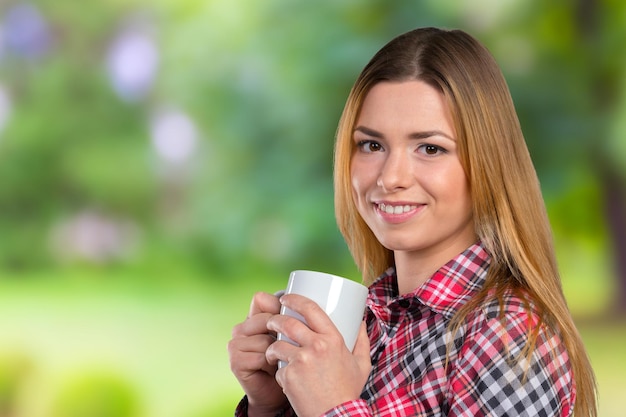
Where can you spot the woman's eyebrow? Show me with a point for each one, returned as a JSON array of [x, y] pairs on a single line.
[[415, 135], [368, 131], [429, 134]]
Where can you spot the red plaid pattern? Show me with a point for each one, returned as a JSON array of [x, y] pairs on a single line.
[[485, 375]]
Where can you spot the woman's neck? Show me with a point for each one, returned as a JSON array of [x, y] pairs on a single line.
[[411, 273], [413, 269]]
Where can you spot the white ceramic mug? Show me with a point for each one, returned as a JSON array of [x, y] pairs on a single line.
[[342, 299]]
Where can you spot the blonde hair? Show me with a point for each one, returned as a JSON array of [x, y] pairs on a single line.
[[509, 213]]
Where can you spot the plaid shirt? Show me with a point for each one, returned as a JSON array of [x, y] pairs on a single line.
[[485, 376]]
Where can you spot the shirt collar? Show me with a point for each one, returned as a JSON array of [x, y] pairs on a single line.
[[448, 289]]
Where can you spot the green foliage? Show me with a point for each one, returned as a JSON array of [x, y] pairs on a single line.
[[264, 83], [70, 143]]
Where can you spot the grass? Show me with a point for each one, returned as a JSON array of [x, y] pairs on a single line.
[[605, 343], [167, 339]]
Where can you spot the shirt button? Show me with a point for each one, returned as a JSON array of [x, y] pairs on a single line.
[[404, 303]]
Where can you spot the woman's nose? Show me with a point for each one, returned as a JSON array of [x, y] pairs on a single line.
[[395, 173]]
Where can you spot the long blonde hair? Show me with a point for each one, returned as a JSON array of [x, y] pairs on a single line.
[[509, 212]]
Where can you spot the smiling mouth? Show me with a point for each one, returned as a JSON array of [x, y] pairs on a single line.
[[390, 209]]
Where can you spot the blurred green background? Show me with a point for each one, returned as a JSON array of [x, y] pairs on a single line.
[[162, 160]]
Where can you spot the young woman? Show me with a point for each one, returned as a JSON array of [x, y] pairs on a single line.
[[440, 205]]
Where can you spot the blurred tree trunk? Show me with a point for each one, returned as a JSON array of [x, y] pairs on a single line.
[[615, 202], [603, 82]]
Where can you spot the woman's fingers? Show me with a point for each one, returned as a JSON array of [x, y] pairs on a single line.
[[280, 351], [290, 327], [314, 315], [248, 361], [257, 343], [248, 353], [317, 337], [316, 321], [256, 324], [321, 372], [263, 302], [262, 307], [361, 350]]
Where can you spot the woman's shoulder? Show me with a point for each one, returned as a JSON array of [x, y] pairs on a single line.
[[512, 312], [510, 301], [512, 351], [509, 329]]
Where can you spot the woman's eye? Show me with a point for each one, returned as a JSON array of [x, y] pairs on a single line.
[[369, 146], [431, 150]]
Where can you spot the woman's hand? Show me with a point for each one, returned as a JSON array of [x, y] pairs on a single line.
[[321, 373], [248, 362]]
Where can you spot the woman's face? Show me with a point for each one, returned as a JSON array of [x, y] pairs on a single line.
[[407, 179]]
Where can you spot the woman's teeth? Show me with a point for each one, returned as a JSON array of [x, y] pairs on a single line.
[[389, 209]]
